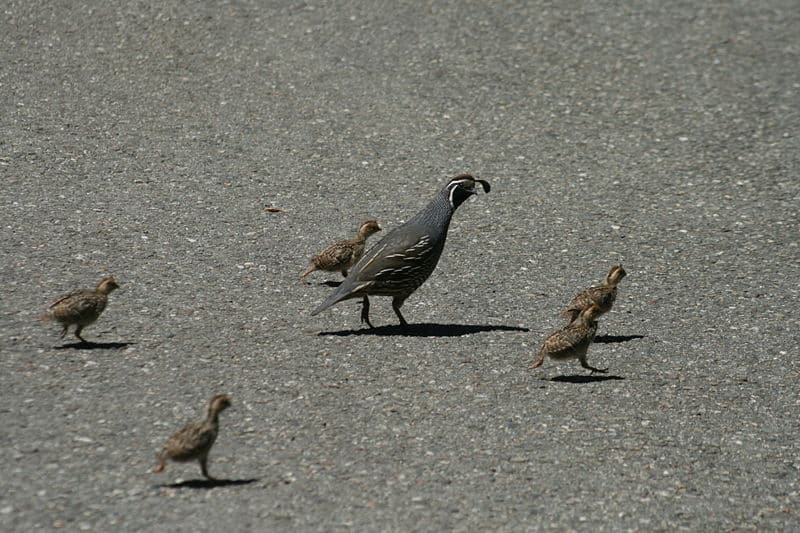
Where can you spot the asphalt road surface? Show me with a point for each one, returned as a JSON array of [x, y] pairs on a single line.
[[147, 140]]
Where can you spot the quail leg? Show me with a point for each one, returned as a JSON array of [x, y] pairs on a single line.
[[64, 331], [365, 311], [397, 303], [538, 362]]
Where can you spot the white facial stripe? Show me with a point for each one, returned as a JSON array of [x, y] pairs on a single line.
[[459, 182], [453, 185]]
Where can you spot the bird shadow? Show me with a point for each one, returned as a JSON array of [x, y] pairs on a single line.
[[330, 283], [583, 378], [208, 483], [93, 345], [424, 330], [609, 339]]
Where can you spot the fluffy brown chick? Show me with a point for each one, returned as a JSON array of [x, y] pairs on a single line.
[[573, 340], [342, 255], [602, 296], [80, 307], [194, 440]]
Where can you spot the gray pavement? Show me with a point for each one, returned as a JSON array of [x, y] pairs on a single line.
[[146, 141]]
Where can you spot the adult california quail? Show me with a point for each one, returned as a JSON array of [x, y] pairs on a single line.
[[194, 440], [341, 255], [573, 340], [81, 307], [602, 296], [404, 258]]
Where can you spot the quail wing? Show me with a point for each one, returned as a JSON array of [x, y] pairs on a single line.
[[397, 253], [189, 441], [566, 340], [340, 253], [66, 299]]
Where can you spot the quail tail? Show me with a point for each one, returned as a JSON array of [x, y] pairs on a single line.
[[337, 296], [346, 290]]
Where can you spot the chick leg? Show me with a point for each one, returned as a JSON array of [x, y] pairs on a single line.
[[585, 364], [204, 467], [161, 463], [78, 333], [538, 362], [306, 272]]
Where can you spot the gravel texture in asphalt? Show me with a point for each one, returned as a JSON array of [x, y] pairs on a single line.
[[148, 140]]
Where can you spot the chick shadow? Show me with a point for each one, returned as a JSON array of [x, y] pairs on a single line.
[[423, 330], [208, 483], [326, 283], [584, 378], [93, 346], [610, 339]]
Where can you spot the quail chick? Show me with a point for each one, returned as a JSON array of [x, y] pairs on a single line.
[[81, 307], [195, 439], [573, 340], [342, 255], [602, 296], [400, 262]]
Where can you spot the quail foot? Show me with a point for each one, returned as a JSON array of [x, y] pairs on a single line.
[[81, 307], [342, 255], [573, 340], [400, 262], [194, 440], [602, 296]]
